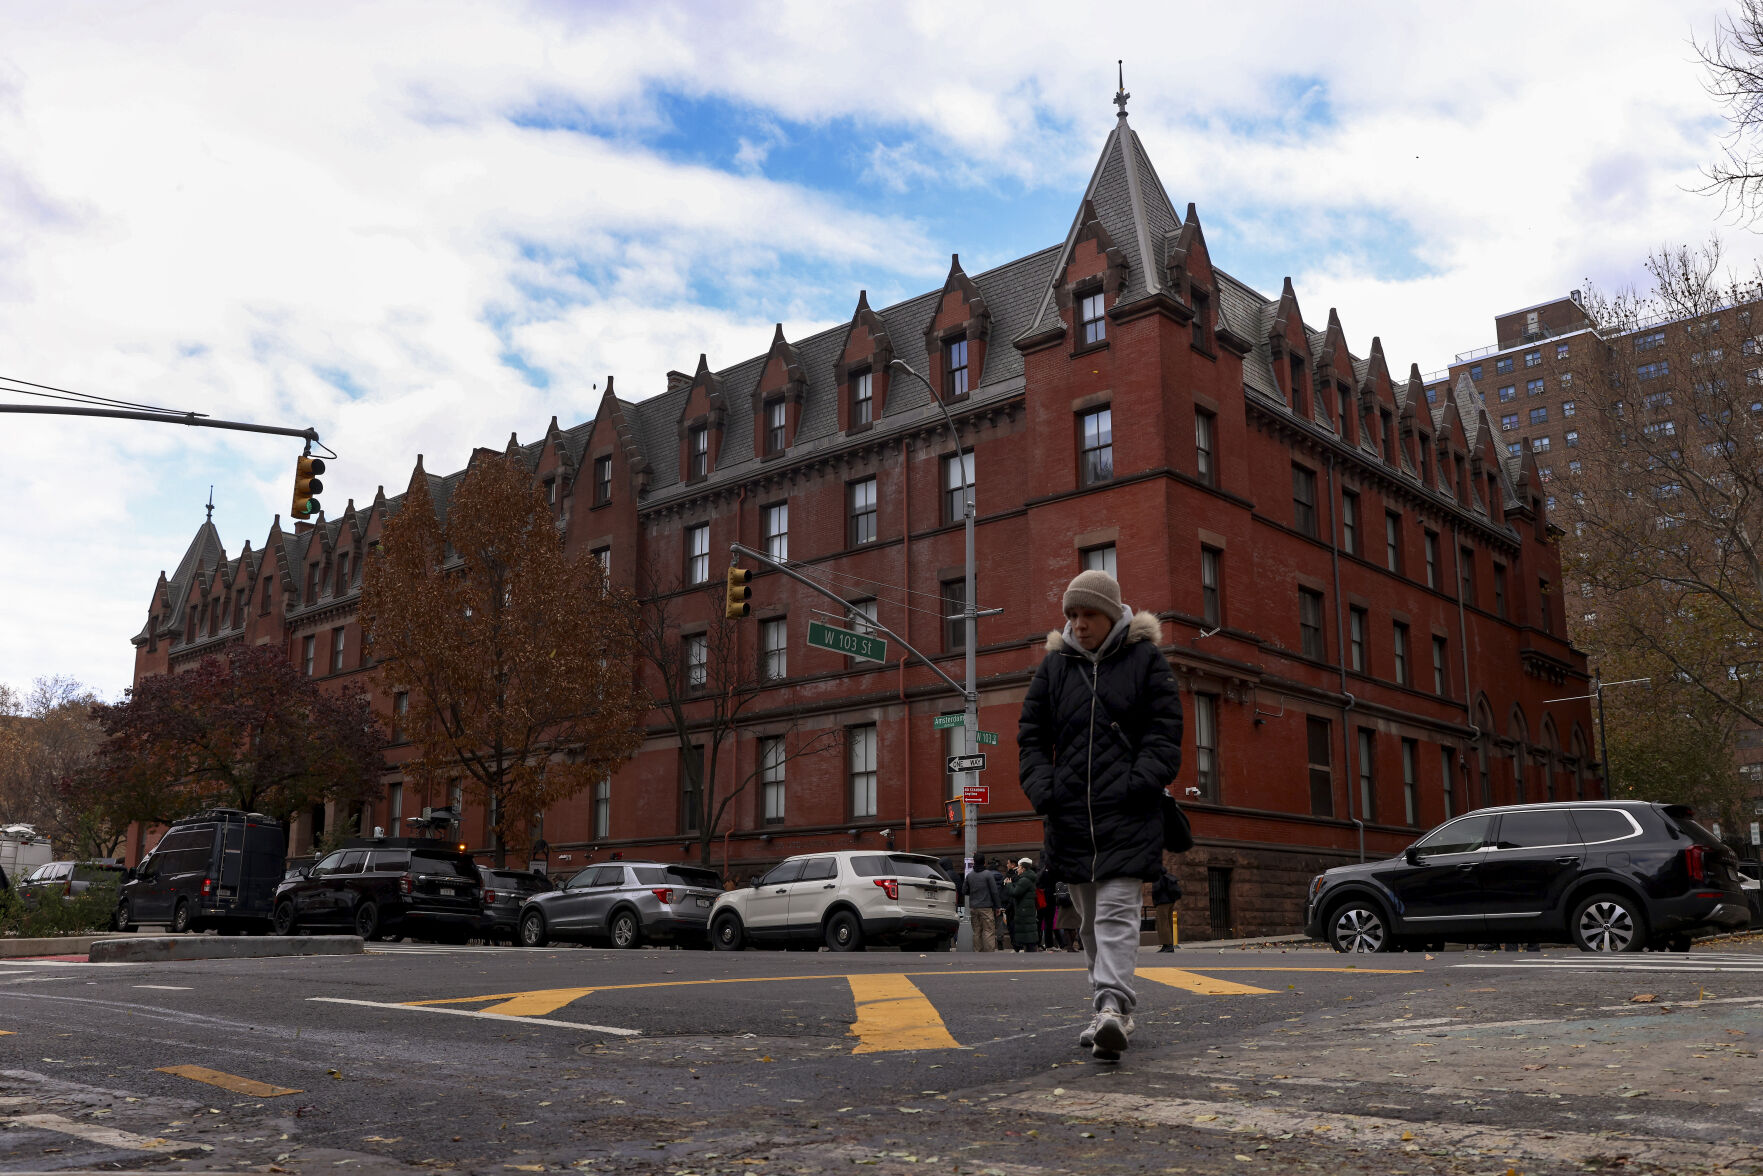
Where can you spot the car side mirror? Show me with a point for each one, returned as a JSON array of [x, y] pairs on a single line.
[[754, 884], [1412, 853]]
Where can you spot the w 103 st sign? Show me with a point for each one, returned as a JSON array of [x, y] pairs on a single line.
[[845, 641]]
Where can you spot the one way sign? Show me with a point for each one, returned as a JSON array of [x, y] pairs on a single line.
[[967, 763]]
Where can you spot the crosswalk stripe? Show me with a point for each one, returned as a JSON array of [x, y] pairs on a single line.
[[892, 1014], [1204, 985], [230, 1082], [102, 1136]]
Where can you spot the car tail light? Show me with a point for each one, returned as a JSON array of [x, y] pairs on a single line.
[[207, 887], [890, 887], [665, 894], [489, 898], [67, 888], [1695, 860], [406, 885]]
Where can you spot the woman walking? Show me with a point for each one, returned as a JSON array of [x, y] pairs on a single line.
[[1099, 741]]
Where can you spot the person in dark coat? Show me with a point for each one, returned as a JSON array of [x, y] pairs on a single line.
[[1025, 915], [1098, 742]]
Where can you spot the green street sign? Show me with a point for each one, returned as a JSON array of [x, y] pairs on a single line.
[[844, 641], [945, 721], [986, 736]]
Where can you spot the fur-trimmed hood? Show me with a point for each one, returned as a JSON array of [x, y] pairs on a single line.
[[1144, 626]]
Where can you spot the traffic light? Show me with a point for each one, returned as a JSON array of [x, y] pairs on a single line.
[[956, 812], [738, 592], [306, 484]]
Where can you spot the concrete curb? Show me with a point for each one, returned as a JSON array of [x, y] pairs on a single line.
[[12, 949], [159, 948]]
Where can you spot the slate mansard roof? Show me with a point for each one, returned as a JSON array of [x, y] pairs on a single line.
[[1128, 199]]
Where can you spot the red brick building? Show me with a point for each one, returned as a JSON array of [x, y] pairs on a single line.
[[1358, 590]]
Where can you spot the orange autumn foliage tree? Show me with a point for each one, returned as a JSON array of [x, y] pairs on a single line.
[[516, 657]]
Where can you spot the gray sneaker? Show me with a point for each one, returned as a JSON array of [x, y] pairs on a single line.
[[1088, 1037], [1113, 1034]]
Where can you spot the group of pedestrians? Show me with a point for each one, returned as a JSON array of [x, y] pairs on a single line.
[[1021, 907]]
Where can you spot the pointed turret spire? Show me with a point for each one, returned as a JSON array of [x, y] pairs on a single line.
[[1120, 95]]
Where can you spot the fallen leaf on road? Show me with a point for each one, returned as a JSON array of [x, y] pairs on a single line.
[[334, 1073], [1204, 1118], [1245, 1159], [1642, 998], [1535, 1067], [381, 1139], [1407, 1135]]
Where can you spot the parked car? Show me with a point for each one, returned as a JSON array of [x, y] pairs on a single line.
[[215, 869], [59, 880], [1606, 875], [624, 904], [505, 892], [386, 888], [1750, 874], [844, 899]]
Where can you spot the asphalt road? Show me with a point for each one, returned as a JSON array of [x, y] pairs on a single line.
[[655, 1061]]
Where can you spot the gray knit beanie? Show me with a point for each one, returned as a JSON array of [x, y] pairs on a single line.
[[1094, 589]]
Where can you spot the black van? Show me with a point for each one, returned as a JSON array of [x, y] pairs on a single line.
[[215, 869]]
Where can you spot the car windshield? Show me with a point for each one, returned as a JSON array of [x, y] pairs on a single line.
[[423, 862], [678, 876], [898, 865]]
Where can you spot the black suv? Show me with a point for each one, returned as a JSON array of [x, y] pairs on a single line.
[[504, 892], [1605, 875], [386, 889]]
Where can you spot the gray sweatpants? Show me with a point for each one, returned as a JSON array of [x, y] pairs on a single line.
[[1109, 919]]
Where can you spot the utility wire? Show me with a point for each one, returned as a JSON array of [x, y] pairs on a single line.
[[816, 570], [880, 599], [50, 392]]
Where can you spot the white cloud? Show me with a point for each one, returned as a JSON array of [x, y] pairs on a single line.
[[348, 214]]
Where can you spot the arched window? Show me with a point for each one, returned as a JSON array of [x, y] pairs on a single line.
[[1484, 721], [1551, 759], [1520, 736]]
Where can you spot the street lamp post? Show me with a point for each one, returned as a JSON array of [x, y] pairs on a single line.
[[1598, 688], [969, 617]]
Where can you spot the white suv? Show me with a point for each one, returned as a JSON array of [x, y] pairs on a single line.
[[842, 899]]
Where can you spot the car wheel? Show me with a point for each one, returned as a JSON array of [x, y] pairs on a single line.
[[122, 920], [626, 931], [532, 930], [726, 933], [180, 917], [844, 932], [367, 920], [1357, 925], [1608, 923], [283, 919]]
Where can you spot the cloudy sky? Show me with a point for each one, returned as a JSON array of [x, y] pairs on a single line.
[[421, 226]]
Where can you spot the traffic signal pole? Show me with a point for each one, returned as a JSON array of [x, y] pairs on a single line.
[[194, 419]]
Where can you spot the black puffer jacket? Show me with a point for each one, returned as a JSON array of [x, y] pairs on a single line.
[[1098, 743]]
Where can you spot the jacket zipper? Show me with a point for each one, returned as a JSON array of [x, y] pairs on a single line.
[[1090, 775]]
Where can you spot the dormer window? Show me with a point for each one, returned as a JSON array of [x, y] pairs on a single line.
[[1092, 323], [862, 399], [1426, 459], [955, 368], [602, 480], [1202, 321], [698, 453], [343, 571], [774, 426], [1300, 402], [550, 491]]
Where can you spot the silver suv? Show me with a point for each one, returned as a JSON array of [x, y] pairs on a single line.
[[624, 903], [842, 899]]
